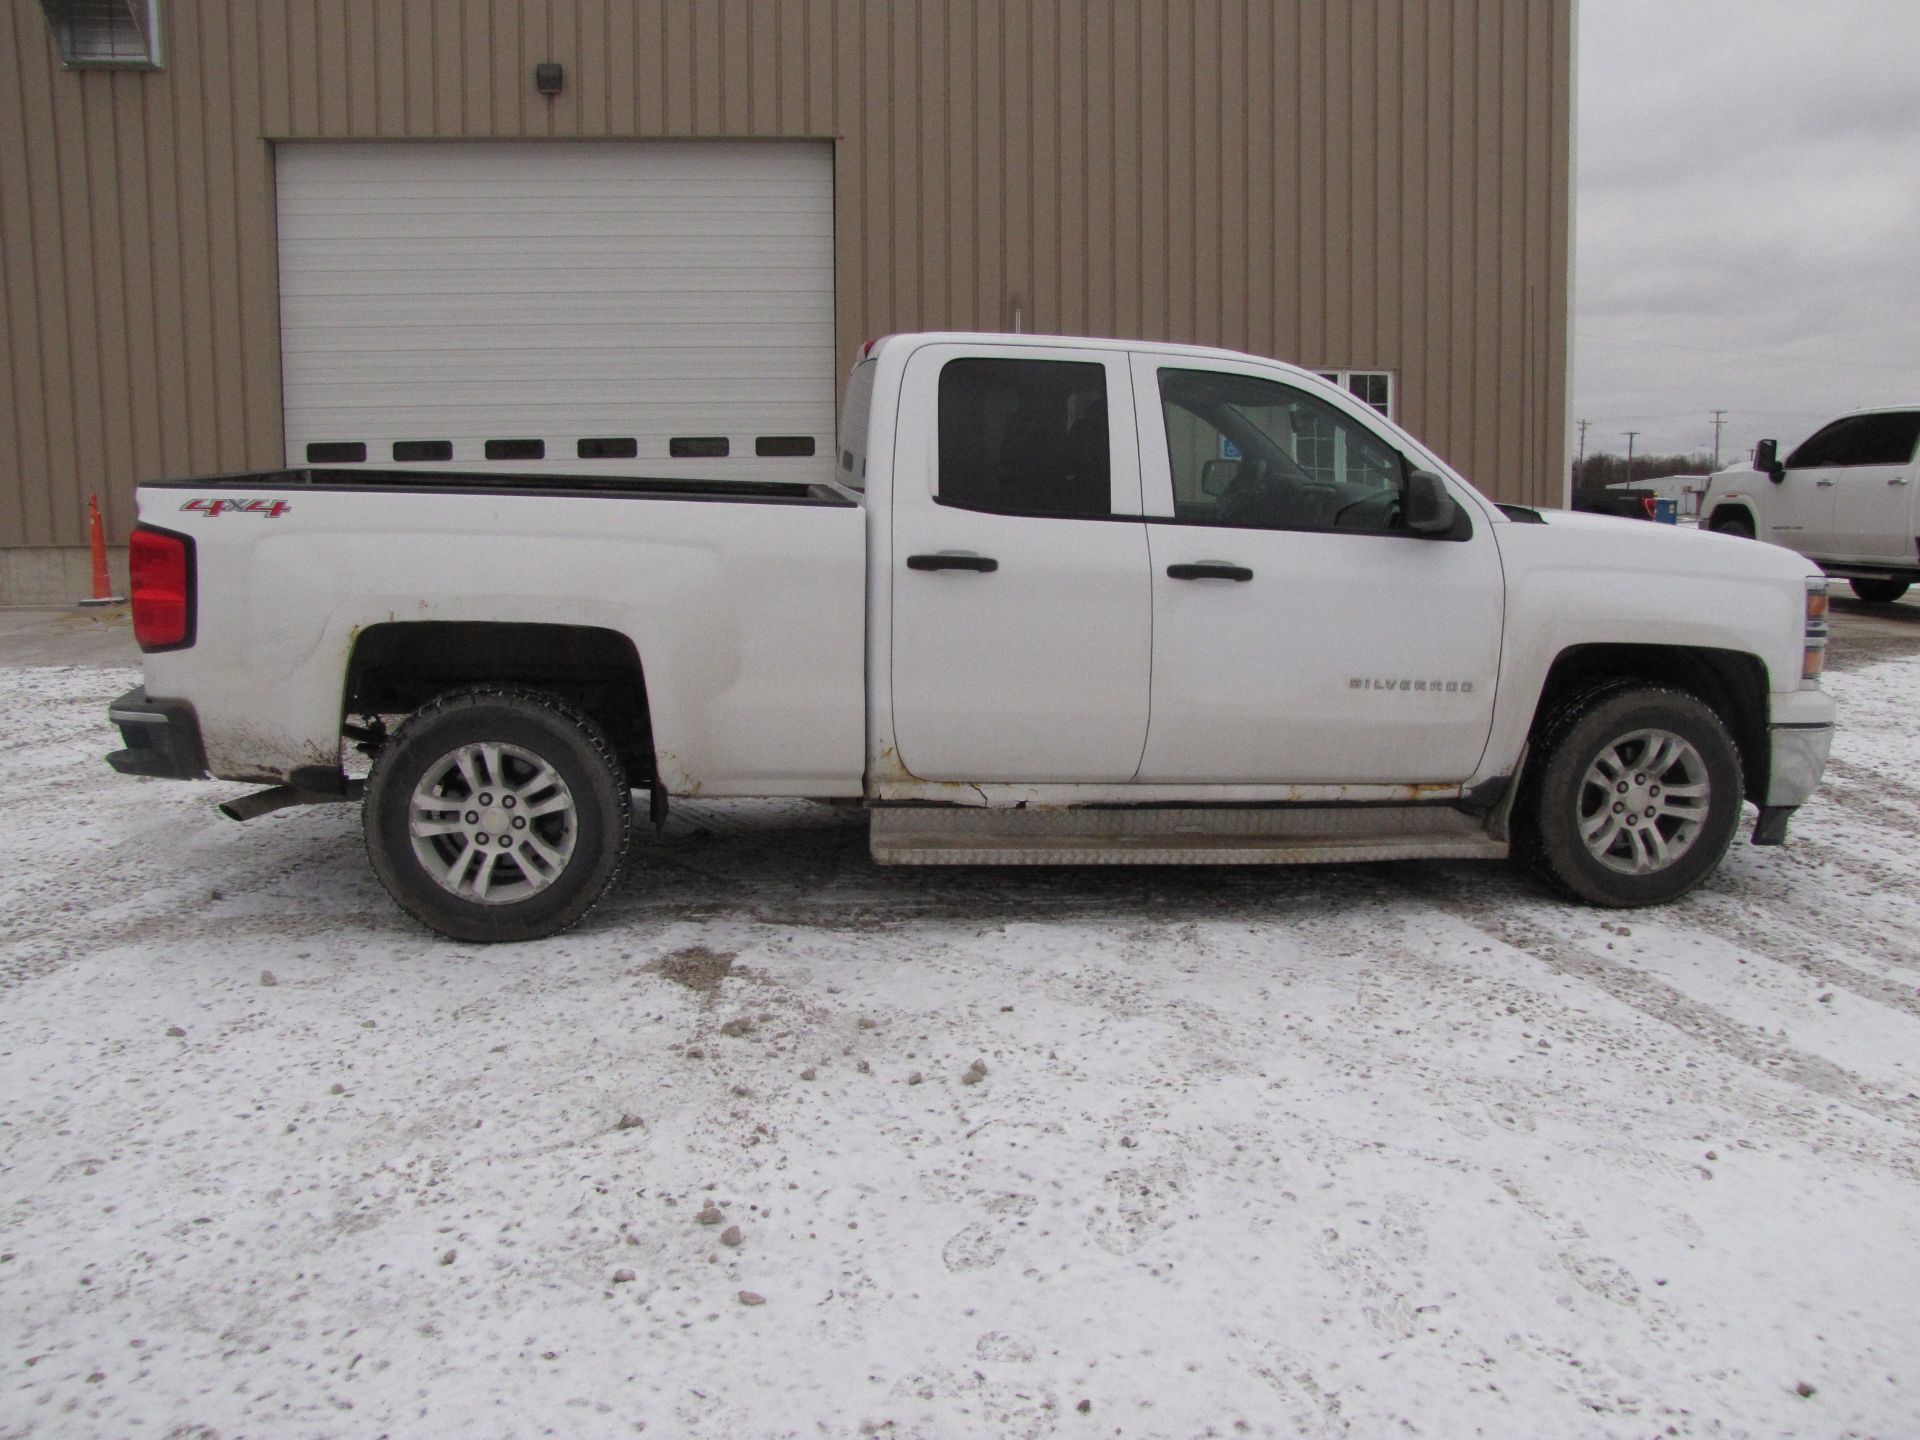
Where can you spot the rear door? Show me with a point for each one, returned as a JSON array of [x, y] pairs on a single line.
[[1301, 634], [1873, 491], [1022, 634]]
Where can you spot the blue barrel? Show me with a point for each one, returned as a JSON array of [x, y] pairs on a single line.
[[1666, 512]]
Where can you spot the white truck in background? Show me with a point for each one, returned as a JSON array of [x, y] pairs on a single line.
[[1845, 499], [1065, 601]]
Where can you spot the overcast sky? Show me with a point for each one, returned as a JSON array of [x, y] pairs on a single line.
[[1747, 220]]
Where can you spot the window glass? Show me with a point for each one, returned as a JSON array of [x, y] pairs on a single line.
[[1255, 453], [1375, 387], [1835, 444], [1888, 439], [852, 471], [1372, 386], [1024, 437]]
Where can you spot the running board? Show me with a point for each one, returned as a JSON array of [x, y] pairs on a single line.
[[1188, 835]]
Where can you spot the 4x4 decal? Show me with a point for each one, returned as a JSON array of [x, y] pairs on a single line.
[[272, 509]]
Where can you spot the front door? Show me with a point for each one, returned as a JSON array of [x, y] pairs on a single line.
[[1022, 634], [1301, 634]]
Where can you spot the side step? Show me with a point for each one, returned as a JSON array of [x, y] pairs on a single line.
[[1187, 835]]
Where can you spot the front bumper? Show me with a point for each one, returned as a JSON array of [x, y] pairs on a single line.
[[1799, 758], [1800, 733], [1798, 738], [162, 737]]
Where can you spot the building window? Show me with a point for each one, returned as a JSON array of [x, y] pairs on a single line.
[[106, 33], [1371, 387]]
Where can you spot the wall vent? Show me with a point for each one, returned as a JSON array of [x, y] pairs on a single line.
[[110, 33]]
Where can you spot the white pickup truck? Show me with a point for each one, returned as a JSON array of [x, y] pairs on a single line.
[[1845, 498], [1063, 601]]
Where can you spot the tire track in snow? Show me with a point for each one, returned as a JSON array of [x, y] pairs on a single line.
[[1660, 1001]]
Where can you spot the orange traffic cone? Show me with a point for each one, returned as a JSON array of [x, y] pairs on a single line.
[[97, 542]]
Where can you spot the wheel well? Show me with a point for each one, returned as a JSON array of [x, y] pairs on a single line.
[[397, 668], [1731, 684], [1732, 510]]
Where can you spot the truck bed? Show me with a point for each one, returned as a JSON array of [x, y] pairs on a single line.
[[742, 600]]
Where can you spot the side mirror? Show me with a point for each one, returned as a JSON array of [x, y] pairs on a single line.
[[1430, 509], [1217, 476], [1766, 457]]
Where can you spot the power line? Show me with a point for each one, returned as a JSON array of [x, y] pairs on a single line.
[[1687, 414]]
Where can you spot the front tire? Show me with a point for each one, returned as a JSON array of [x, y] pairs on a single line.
[[1736, 525], [497, 814], [1879, 592], [1637, 796]]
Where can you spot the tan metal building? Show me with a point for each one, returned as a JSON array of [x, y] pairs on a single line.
[[215, 256]]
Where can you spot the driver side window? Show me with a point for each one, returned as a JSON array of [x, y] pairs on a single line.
[[1257, 454]]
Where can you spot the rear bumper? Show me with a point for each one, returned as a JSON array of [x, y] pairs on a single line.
[[162, 737]]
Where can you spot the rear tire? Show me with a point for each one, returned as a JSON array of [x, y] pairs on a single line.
[[497, 814], [1879, 592], [1636, 798]]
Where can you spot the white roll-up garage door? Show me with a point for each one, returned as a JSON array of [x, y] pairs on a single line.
[[645, 307]]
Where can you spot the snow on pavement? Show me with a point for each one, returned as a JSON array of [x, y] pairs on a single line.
[[1364, 1150]]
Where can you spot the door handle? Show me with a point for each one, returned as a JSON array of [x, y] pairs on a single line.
[[1899, 480], [947, 560], [1209, 570], [1824, 482]]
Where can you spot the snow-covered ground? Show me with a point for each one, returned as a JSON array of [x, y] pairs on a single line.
[[1370, 1150]]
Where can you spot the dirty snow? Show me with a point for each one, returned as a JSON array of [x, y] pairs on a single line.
[[1358, 1151]]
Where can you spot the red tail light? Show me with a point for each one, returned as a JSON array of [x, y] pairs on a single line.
[[161, 566]]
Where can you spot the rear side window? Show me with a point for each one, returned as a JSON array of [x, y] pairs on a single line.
[[1889, 439], [851, 469], [1025, 437], [1860, 440]]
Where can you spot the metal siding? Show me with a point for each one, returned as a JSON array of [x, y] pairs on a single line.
[[1350, 183]]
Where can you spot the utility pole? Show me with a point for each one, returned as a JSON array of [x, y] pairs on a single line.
[[1629, 434], [1580, 460], [1719, 420]]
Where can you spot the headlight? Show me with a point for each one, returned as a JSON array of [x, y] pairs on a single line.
[[1815, 656]]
